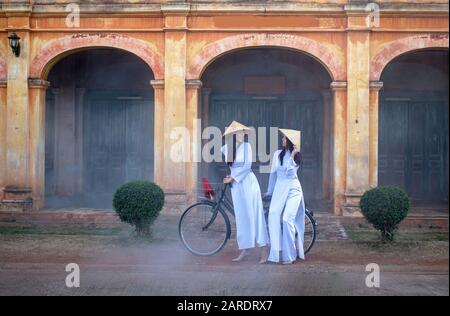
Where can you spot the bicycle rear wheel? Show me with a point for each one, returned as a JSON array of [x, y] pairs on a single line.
[[310, 232], [202, 234]]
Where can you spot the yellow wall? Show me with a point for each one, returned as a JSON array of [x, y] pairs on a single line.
[[180, 40]]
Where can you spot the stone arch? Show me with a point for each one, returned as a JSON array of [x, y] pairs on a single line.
[[311, 47], [59, 48], [402, 46]]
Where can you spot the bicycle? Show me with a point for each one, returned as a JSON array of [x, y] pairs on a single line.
[[205, 227]]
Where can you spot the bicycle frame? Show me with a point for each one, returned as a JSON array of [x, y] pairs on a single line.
[[223, 199], [223, 204]]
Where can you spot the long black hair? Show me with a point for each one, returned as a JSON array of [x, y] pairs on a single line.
[[232, 150], [298, 159]]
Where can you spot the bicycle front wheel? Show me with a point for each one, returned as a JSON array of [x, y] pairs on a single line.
[[204, 231]]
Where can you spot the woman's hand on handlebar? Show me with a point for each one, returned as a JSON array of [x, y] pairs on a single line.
[[228, 180]]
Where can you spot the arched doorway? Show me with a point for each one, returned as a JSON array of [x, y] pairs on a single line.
[[99, 127], [413, 126], [274, 87]]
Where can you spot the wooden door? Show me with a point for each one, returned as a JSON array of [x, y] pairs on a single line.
[[289, 112], [413, 148], [118, 142]]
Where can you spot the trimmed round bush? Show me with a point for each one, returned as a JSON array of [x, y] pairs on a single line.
[[139, 203], [385, 207]]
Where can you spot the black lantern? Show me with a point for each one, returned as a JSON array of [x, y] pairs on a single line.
[[14, 43]]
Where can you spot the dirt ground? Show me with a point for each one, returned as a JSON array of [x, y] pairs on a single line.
[[34, 262]]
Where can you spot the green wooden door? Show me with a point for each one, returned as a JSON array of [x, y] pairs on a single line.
[[413, 148], [118, 143], [295, 113]]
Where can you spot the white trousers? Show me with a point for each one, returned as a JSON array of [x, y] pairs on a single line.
[[251, 228], [285, 240]]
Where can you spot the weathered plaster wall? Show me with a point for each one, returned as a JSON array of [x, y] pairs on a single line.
[[178, 41], [203, 48]]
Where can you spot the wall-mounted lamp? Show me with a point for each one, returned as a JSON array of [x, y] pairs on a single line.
[[14, 43]]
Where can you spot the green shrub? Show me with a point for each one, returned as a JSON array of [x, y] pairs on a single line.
[[139, 203], [385, 208]]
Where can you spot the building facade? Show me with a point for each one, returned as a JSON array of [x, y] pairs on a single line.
[[99, 89]]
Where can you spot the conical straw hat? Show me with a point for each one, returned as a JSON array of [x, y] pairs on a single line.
[[293, 135], [236, 127]]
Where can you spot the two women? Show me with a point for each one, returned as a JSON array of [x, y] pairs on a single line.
[[248, 206], [285, 188]]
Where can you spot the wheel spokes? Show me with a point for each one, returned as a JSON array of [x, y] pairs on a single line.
[[201, 233]]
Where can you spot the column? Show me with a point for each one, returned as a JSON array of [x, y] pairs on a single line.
[[339, 130], [17, 116], [175, 97], [37, 141], [194, 127], [358, 66], [375, 87], [17, 191], [158, 145]]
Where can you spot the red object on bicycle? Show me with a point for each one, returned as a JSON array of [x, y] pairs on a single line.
[[208, 191]]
